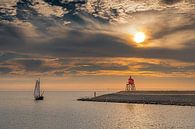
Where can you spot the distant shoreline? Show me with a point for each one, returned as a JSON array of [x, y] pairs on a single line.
[[182, 98]]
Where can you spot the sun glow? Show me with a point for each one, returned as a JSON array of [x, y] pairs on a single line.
[[139, 37]]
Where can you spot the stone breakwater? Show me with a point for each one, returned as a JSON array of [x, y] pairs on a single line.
[[183, 98]]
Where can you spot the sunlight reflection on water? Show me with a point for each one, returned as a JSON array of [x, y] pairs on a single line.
[[60, 110]]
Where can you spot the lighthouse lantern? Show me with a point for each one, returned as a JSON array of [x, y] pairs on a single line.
[[130, 86]]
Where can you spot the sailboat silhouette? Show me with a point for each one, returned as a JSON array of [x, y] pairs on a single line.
[[38, 95]]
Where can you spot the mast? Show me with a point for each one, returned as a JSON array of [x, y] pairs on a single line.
[[39, 88]]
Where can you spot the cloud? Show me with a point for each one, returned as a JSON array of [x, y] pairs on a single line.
[[33, 65], [74, 38], [10, 36], [98, 66], [170, 2], [4, 70]]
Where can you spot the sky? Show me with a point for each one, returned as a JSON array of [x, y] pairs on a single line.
[[88, 45]]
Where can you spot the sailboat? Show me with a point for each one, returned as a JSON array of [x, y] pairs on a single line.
[[38, 94]]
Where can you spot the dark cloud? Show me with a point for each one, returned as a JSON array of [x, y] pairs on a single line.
[[85, 44], [5, 14], [5, 70], [67, 4], [6, 56], [165, 68], [10, 37], [170, 2], [186, 54], [34, 65], [97, 67]]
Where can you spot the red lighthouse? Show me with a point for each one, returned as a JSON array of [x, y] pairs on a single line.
[[130, 86]]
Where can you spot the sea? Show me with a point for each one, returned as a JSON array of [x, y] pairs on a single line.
[[61, 110]]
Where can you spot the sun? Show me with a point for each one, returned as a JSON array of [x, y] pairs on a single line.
[[139, 37]]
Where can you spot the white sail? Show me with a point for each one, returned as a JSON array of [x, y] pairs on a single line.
[[37, 89]]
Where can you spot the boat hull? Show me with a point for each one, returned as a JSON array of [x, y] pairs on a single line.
[[39, 98]]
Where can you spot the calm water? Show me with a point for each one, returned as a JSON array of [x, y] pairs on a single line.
[[60, 110]]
